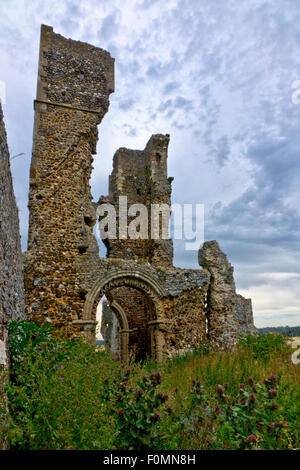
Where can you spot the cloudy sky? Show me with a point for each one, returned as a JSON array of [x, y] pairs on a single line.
[[217, 76]]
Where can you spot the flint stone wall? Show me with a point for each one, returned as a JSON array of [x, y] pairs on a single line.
[[243, 315], [141, 176], [74, 83], [228, 313], [12, 303]]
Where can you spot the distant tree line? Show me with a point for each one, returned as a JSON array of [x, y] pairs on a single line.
[[289, 331]]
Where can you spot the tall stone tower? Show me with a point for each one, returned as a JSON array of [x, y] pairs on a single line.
[[75, 80], [141, 176]]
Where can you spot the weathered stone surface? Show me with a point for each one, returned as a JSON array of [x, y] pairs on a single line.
[[141, 176], [12, 304], [74, 83], [243, 315], [228, 313], [222, 327]]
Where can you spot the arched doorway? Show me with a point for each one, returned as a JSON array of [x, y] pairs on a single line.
[[150, 329], [140, 311]]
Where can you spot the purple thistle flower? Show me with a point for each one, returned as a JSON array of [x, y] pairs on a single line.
[[272, 379], [59, 378], [250, 380], [272, 393], [251, 439], [251, 400]]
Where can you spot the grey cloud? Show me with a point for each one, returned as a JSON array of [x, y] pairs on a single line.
[[70, 19], [129, 130], [109, 26], [69, 25], [72, 8], [161, 70], [154, 71], [144, 4], [221, 150], [170, 113], [126, 104], [170, 87], [164, 105], [132, 132], [129, 67], [182, 103], [177, 125]]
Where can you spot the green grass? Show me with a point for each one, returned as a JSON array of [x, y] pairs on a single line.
[[65, 395]]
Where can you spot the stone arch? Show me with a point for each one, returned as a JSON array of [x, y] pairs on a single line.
[[125, 278]]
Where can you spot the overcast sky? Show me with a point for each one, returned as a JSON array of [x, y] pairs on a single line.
[[217, 76]]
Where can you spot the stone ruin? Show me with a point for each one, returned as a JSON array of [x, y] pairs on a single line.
[[160, 310], [12, 299]]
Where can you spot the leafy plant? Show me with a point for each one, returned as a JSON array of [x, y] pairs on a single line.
[[263, 346], [252, 419], [24, 335], [139, 409], [69, 395]]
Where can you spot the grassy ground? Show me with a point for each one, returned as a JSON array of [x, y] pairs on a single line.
[[69, 396]]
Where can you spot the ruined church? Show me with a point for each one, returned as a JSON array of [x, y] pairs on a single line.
[[160, 310]]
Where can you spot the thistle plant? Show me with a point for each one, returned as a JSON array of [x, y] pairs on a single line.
[[139, 410]]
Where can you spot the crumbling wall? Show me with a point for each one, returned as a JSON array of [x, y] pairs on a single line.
[[228, 314], [141, 176], [186, 320], [222, 328], [12, 303], [243, 315], [74, 83]]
